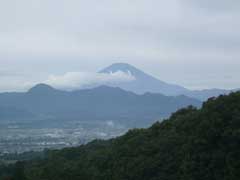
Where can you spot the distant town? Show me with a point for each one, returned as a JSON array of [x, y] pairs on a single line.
[[19, 138]]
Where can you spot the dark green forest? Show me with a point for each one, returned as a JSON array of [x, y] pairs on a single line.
[[193, 144]]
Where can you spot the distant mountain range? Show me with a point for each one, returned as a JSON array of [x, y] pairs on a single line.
[[137, 102], [102, 103], [146, 83]]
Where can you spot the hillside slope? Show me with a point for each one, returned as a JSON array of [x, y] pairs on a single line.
[[191, 145]]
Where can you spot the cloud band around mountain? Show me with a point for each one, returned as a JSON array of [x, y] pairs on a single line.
[[77, 80]]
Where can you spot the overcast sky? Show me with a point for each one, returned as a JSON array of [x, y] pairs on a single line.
[[194, 43]]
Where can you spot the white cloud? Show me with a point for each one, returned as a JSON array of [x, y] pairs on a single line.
[[148, 29], [78, 80], [67, 81]]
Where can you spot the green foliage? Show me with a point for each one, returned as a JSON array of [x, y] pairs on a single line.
[[191, 145]]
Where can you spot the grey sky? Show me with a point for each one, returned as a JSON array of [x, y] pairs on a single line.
[[189, 42]]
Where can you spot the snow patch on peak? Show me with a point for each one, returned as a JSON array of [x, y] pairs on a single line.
[[127, 73]]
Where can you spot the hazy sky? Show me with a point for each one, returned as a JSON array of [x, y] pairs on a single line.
[[194, 43]]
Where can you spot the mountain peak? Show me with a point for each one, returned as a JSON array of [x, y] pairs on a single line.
[[124, 67], [143, 82], [41, 88]]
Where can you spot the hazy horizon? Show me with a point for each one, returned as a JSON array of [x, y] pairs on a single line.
[[195, 44]]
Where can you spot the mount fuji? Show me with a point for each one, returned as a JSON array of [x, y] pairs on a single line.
[[144, 83]]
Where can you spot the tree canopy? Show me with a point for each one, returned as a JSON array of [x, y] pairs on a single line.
[[193, 144]]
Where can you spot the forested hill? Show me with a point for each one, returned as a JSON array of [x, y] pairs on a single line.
[[193, 144]]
